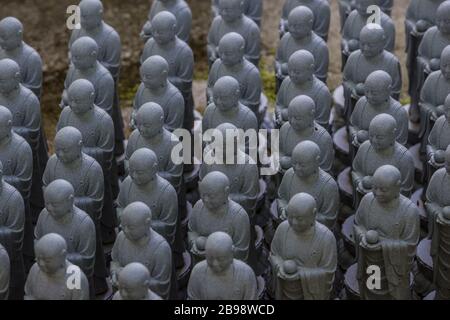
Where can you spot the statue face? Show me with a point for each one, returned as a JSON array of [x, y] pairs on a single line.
[[142, 175], [9, 82], [84, 60], [300, 29], [230, 10], [362, 5], [445, 68], [300, 220], [134, 229], [376, 95], [219, 260], [371, 46], [384, 190], [300, 74], [5, 128], [443, 23], [50, 264], [90, 19], [133, 292], [300, 120], [152, 80], [68, 153], [226, 100], [381, 140], [213, 199], [304, 166], [9, 39], [149, 128], [81, 104], [162, 34], [59, 208], [231, 56]]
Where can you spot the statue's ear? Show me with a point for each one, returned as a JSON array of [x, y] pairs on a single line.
[[17, 76], [71, 197], [164, 73], [80, 143], [20, 33], [10, 123], [94, 53], [227, 189]]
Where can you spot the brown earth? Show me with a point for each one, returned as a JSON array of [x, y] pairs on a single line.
[[45, 30]]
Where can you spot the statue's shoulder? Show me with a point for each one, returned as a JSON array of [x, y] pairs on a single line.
[[319, 41], [103, 72], [165, 186], [244, 268], [325, 233], [237, 210], [401, 149], [252, 69], [249, 23], [430, 33], [82, 216], [199, 270], [410, 208], [20, 143], [365, 147], [26, 93], [325, 177], [285, 128], [217, 21], [91, 164], [321, 86], [109, 31], [31, 52], [389, 56]]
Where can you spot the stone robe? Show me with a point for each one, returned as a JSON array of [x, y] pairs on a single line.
[[155, 254], [171, 101], [322, 15], [316, 90], [243, 177], [27, 122], [241, 117], [252, 9], [324, 190], [314, 44], [248, 29], [4, 273], [162, 146], [315, 254], [12, 223], [364, 112], [180, 58], [437, 196], [235, 222], [358, 68], [246, 74], [79, 233], [439, 138], [398, 228], [239, 283], [160, 197], [151, 296], [367, 161], [180, 9], [289, 139], [30, 64], [40, 286]]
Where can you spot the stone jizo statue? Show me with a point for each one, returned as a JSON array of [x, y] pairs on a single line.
[[306, 176], [231, 18], [303, 253], [439, 138], [220, 276], [134, 283], [5, 267], [347, 6], [386, 231], [49, 276], [301, 37], [179, 8], [155, 87], [252, 9], [138, 242], [301, 81], [217, 212]]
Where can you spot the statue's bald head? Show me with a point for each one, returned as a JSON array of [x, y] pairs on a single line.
[[447, 107], [91, 14], [378, 87], [150, 119], [231, 10], [386, 183], [143, 166], [154, 72], [301, 212], [372, 40], [51, 252], [68, 144], [300, 22], [231, 48], [58, 190], [81, 95], [382, 131], [136, 213], [301, 66], [84, 53], [445, 62], [11, 33], [226, 93], [10, 76], [301, 112], [164, 27], [306, 158], [134, 281], [442, 14], [219, 251], [215, 183], [362, 5], [5, 123]]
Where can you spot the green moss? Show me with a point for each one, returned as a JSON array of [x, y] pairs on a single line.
[[405, 101], [268, 79]]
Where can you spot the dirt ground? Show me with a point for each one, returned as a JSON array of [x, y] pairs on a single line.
[[45, 30]]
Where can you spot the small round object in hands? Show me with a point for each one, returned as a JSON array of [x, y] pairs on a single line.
[[362, 136], [446, 213], [360, 89], [439, 156], [200, 243], [353, 45], [289, 267], [435, 64], [367, 183], [421, 25], [372, 237]]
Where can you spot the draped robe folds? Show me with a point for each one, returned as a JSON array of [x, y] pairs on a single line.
[[97, 129], [88, 183], [289, 139], [109, 55], [239, 283], [30, 64], [246, 27], [433, 94], [364, 113], [313, 43], [358, 68], [315, 254], [180, 9], [12, 223], [316, 90], [322, 15], [162, 200], [170, 100], [324, 190], [398, 227], [4, 273], [242, 117], [180, 58], [249, 79], [367, 161], [252, 9], [17, 159], [27, 122], [155, 254], [244, 181], [79, 233], [40, 286], [235, 222]]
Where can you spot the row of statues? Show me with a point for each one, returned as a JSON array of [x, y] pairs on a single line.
[[120, 218]]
